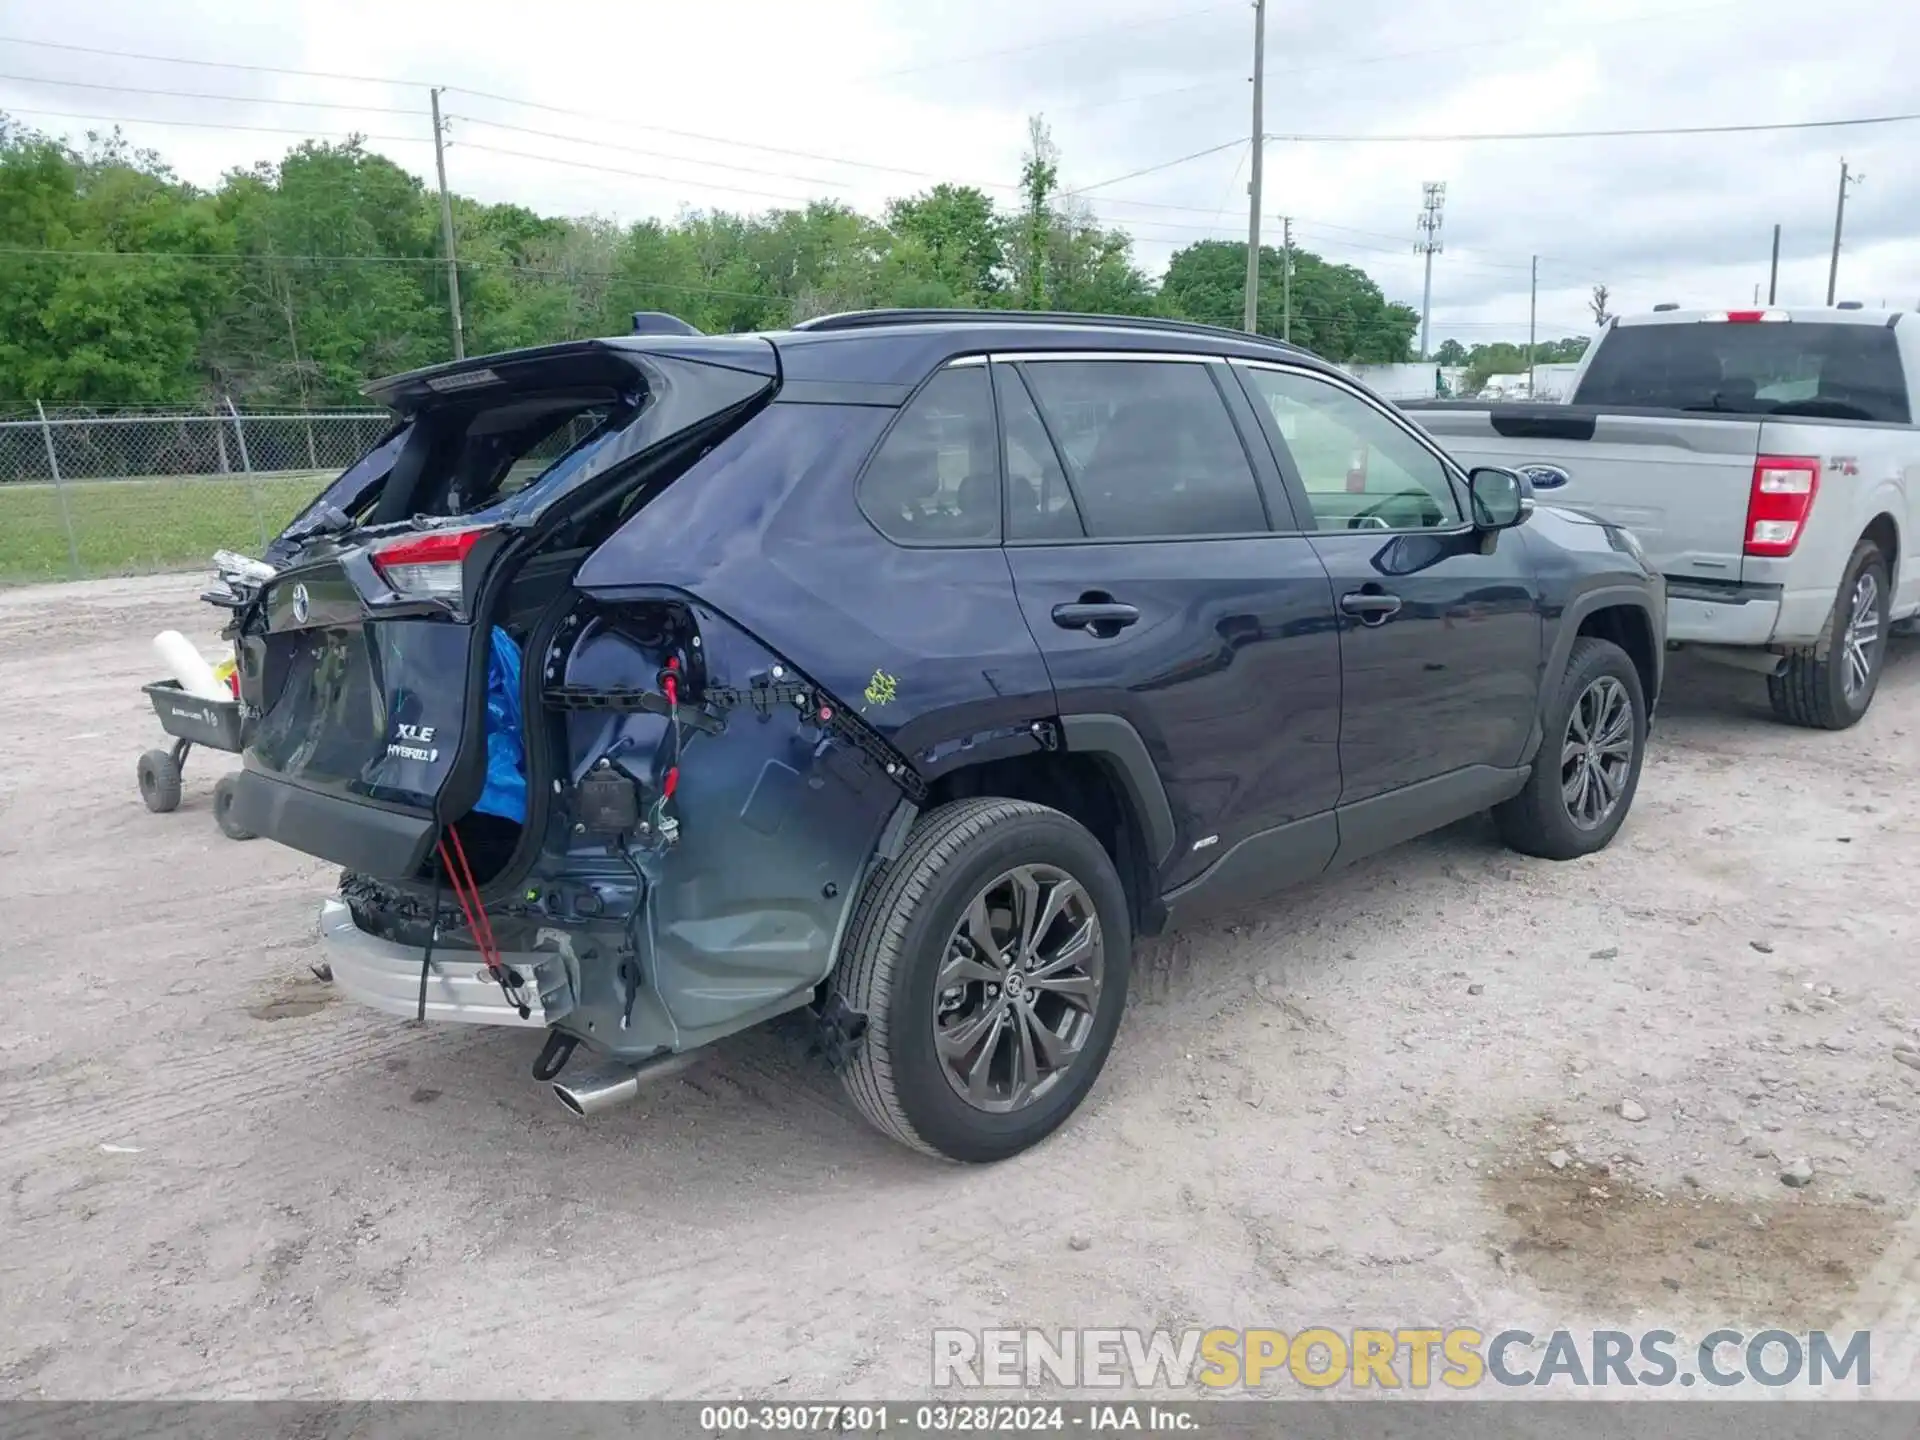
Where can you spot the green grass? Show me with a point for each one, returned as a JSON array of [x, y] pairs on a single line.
[[140, 526]]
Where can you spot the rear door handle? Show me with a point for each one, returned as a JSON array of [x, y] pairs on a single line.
[[1096, 616], [1371, 608]]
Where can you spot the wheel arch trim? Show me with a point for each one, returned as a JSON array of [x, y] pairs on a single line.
[[1114, 738]]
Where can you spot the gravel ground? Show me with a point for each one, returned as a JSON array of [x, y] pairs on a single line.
[[1399, 1098]]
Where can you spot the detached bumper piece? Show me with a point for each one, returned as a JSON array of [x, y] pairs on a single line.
[[385, 976]]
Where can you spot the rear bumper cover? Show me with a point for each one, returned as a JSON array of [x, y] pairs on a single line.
[[359, 835], [1721, 614], [386, 976]]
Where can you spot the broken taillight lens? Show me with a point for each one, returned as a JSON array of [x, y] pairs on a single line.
[[1779, 503], [428, 567]]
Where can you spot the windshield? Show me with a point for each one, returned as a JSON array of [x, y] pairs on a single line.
[[1844, 372]]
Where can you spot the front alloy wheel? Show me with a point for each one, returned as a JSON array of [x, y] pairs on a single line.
[[1018, 988], [1596, 756]]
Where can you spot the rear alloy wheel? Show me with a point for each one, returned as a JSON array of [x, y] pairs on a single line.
[[1833, 692], [1588, 767], [1019, 989], [990, 960]]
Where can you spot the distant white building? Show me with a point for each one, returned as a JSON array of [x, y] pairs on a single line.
[[1399, 382]]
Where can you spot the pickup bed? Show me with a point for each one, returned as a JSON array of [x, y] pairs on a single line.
[[1768, 463]]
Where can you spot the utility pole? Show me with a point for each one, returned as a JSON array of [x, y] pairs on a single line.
[[1839, 218], [1773, 273], [446, 230], [1433, 198], [1533, 309], [1286, 278], [1251, 321]]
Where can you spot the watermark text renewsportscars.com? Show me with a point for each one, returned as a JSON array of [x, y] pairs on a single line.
[[1404, 1358]]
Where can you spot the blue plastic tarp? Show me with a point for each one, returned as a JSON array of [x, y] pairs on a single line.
[[505, 794]]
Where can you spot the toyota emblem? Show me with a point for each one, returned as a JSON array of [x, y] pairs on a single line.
[[300, 605]]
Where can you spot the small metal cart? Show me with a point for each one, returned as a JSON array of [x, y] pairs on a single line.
[[191, 720]]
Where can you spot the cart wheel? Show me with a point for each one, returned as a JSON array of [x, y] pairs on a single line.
[[223, 811], [159, 781]]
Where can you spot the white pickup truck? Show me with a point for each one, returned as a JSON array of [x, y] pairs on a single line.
[[1769, 464]]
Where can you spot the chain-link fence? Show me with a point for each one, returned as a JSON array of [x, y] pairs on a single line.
[[130, 492]]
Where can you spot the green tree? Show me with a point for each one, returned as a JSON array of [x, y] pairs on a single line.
[[949, 237], [1451, 352], [100, 304], [1032, 236], [297, 281], [1337, 311]]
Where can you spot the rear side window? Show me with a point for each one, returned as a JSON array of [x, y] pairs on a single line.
[[1149, 446], [1795, 368], [935, 480], [1040, 503]]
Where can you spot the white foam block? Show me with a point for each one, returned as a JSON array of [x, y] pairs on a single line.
[[187, 666]]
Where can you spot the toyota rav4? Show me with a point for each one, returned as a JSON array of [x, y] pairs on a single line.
[[902, 669]]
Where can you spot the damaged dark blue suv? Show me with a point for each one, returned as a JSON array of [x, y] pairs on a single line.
[[902, 668]]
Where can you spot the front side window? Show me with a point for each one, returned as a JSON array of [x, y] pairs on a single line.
[[935, 480], [1360, 469], [1149, 446]]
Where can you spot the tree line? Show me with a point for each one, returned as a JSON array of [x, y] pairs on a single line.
[[292, 283], [1504, 357]]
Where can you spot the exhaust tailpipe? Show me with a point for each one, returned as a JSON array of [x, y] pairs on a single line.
[[596, 1090]]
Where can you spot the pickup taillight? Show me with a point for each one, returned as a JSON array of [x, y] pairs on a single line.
[[430, 566], [1779, 503]]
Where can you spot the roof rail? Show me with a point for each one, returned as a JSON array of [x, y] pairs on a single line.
[[879, 319]]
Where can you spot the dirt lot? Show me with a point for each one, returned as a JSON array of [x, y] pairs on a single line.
[[220, 1182]]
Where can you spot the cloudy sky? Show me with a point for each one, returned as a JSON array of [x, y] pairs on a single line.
[[630, 108]]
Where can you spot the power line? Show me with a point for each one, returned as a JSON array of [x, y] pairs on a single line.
[[628, 123], [220, 125], [650, 154], [1600, 134], [204, 95], [1163, 165], [1546, 37], [1057, 40], [206, 64], [639, 174]]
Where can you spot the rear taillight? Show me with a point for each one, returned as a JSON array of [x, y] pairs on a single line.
[[428, 567], [1779, 503], [1745, 317]]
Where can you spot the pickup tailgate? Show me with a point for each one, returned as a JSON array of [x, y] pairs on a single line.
[[1680, 483]]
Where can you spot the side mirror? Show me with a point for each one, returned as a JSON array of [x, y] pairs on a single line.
[[1501, 498]]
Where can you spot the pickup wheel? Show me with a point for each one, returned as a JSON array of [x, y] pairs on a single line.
[[1831, 689], [991, 963], [1588, 767]]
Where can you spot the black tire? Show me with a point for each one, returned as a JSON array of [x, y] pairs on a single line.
[[223, 811], [1812, 691], [159, 781], [894, 952], [1540, 820]]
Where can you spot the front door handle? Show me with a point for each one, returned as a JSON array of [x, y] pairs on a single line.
[[1101, 617], [1372, 608]]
